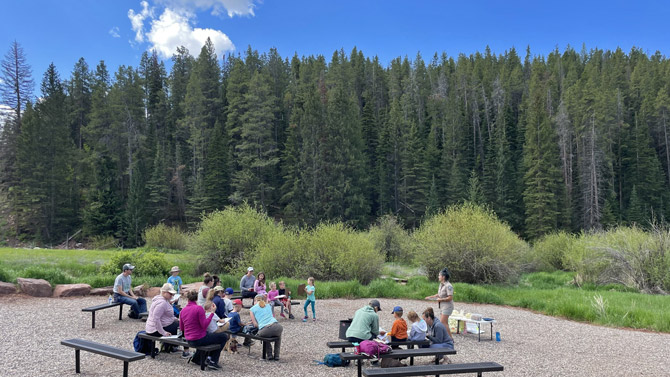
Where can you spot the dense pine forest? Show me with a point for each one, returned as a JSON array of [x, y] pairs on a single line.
[[576, 140]]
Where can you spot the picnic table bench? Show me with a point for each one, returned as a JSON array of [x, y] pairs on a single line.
[[95, 308], [102, 349], [410, 344], [399, 354], [276, 339], [176, 341], [422, 370]]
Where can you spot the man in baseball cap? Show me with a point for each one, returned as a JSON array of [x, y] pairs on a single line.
[[247, 284], [365, 324], [123, 292]]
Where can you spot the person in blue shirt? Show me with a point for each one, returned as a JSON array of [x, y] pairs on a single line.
[[236, 323], [268, 327], [176, 282], [309, 289]]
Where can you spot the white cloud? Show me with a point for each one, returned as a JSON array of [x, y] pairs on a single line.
[[231, 7], [174, 29], [114, 32], [137, 20]]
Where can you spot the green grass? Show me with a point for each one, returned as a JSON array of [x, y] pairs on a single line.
[[549, 293]]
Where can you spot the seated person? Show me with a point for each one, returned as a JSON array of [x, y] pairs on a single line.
[[287, 298], [247, 284], [193, 322], [123, 292], [398, 331], [365, 325]]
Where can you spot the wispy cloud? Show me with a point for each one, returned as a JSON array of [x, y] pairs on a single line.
[[137, 20], [218, 7], [114, 32], [176, 25]]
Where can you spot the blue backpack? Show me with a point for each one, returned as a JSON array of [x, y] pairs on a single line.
[[142, 345], [334, 360]]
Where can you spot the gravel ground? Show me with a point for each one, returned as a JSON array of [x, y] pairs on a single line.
[[532, 344]]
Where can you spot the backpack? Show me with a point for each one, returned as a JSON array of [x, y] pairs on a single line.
[[142, 345], [334, 360], [373, 348]]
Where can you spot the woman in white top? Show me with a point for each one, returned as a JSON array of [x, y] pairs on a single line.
[[444, 298]]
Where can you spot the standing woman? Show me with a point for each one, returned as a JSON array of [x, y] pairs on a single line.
[[268, 327], [445, 298]]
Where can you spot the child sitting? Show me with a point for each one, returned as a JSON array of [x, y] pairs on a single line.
[[274, 301], [419, 326], [213, 325], [287, 298], [398, 331], [236, 323]]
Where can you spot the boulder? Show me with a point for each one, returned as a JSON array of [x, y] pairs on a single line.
[[34, 287], [140, 290], [7, 288], [187, 287], [153, 291], [69, 290], [104, 291]]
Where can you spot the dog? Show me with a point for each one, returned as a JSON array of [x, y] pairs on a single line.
[[231, 346]]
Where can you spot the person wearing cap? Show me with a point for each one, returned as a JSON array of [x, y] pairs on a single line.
[[236, 323], [215, 297], [247, 284], [123, 292], [398, 331], [175, 279], [365, 325], [228, 299], [161, 321]]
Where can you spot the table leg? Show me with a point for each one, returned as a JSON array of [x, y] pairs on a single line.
[[479, 331], [359, 363], [120, 312], [93, 324], [411, 360], [125, 369], [458, 326], [491, 330], [76, 360]]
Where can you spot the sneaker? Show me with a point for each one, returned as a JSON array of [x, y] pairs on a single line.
[[186, 355], [212, 365], [313, 319], [304, 319], [290, 316], [282, 315]]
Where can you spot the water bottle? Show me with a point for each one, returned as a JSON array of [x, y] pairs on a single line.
[[357, 348], [497, 336], [109, 299]]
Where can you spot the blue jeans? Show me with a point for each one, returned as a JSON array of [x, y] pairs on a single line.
[[138, 306], [211, 338]]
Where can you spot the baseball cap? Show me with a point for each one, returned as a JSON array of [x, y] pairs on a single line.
[[218, 288], [250, 269], [167, 287], [396, 309], [376, 304], [128, 266], [229, 291], [237, 302]]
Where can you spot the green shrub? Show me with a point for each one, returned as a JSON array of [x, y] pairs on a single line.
[[549, 252], [5, 275], [102, 242], [165, 237], [226, 239], [147, 263], [472, 243], [49, 273], [393, 241], [328, 252]]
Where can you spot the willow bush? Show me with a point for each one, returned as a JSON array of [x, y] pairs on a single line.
[[472, 243], [162, 236]]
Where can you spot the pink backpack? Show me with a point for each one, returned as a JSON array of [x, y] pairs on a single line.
[[372, 348]]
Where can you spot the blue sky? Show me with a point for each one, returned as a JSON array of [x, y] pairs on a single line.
[[63, 31]]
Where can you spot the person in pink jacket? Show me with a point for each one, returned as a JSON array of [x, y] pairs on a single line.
[[193, 323]]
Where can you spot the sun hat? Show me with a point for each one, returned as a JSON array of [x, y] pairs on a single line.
[[128, 266], [175, 269], [229, 291], [218, 288], [167, 287], [396, 309]]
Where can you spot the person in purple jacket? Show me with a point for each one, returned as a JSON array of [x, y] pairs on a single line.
[[161, 321], [193, 323]]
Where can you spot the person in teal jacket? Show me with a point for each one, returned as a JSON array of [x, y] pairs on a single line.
[[365, 324]]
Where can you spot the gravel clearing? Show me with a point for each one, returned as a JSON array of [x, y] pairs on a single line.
[[532, 344]]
